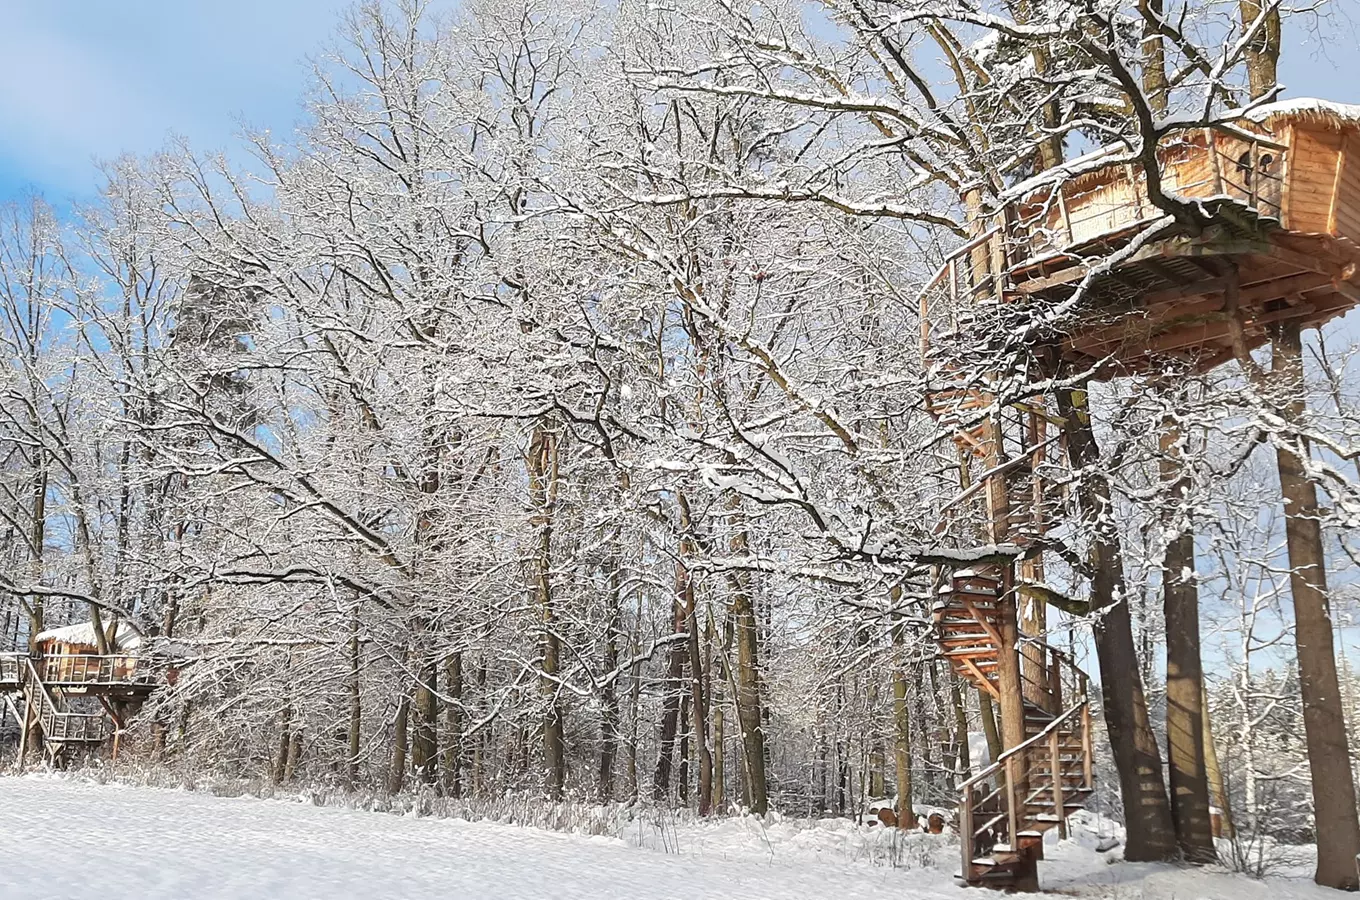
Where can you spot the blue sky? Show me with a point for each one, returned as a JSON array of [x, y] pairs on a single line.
[[82, 80], [88, 79]]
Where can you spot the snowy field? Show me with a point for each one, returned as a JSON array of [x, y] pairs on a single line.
[[60, 838]]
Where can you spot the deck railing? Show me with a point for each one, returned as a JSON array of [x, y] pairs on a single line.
[[93, 669], [10, 666], [1066, 223]]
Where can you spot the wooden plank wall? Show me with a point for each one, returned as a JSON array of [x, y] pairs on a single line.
[[1346, 213], [1322, 194], [1313, 158]]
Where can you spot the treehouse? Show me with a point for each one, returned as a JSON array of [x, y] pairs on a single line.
[[71, 696], [1099, 271], [1268, 230], [70, 655]]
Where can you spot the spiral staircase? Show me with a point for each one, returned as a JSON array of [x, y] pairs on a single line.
[[1032, 788], [1039, 781]]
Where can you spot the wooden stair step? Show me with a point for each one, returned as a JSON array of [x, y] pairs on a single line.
[[971, 639]]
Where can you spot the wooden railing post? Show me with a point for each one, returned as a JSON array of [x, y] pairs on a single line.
[[1087, 775], [1013, 802], [1055, 682], [1059, 804], [1253, 174], [966, 836]]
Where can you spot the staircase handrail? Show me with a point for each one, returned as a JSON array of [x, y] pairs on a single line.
[[1000, 762], [73, 725]]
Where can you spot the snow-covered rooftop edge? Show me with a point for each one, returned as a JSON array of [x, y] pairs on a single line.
[[125, 640], [1307, 109]]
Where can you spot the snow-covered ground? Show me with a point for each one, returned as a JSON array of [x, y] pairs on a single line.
[[63, 838]]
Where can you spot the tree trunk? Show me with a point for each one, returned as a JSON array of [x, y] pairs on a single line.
[[750, 717], [699, 707], [1218, 790], [542, 466], [906, 814], [674, 689], [1263, 50], [285, 742], [1147, 812], [1329, 762], [1184, 672], [355, 703], [453, 726], [609, 695], [965, 764], [990, 731], [719, 777], [396, 775], [425, 745]]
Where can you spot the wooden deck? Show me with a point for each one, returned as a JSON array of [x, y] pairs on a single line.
[[74, 700], [1277, 236]]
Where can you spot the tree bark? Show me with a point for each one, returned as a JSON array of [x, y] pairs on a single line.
[[674, 690], [425, 745], [750, 717], [453, 726], [542, 466], [699, 707], [1263, 50], [355, 703], [609, 695], [396, 775], [906, 813], [1184, 671], [1147, 812], [1329, 761], [1218, 790]]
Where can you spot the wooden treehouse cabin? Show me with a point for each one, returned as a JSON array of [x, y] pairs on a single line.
[[1083, 275], [68, 697]]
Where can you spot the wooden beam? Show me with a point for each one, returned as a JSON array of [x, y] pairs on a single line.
[[982, 680]]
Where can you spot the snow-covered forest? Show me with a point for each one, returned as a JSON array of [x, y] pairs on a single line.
[[547, 418]]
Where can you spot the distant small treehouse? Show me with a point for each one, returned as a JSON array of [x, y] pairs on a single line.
[[1276, 209], [71, 654], [70, 696], [1079, 272]]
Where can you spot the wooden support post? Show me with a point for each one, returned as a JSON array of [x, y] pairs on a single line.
[[1014, 797], [1253, 173], [1059, 804], [1087, 757], [1212, 146], [1055, 691], [1068, 237], [24, 727], [966, 828]]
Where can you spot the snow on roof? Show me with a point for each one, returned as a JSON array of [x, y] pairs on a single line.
[[1308, 109], [125, 641], [1095, 163]]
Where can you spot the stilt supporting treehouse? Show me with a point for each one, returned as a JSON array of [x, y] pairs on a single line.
[[1079, 273]]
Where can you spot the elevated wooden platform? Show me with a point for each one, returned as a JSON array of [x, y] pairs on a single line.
[[1269, 231], [72, 700]]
